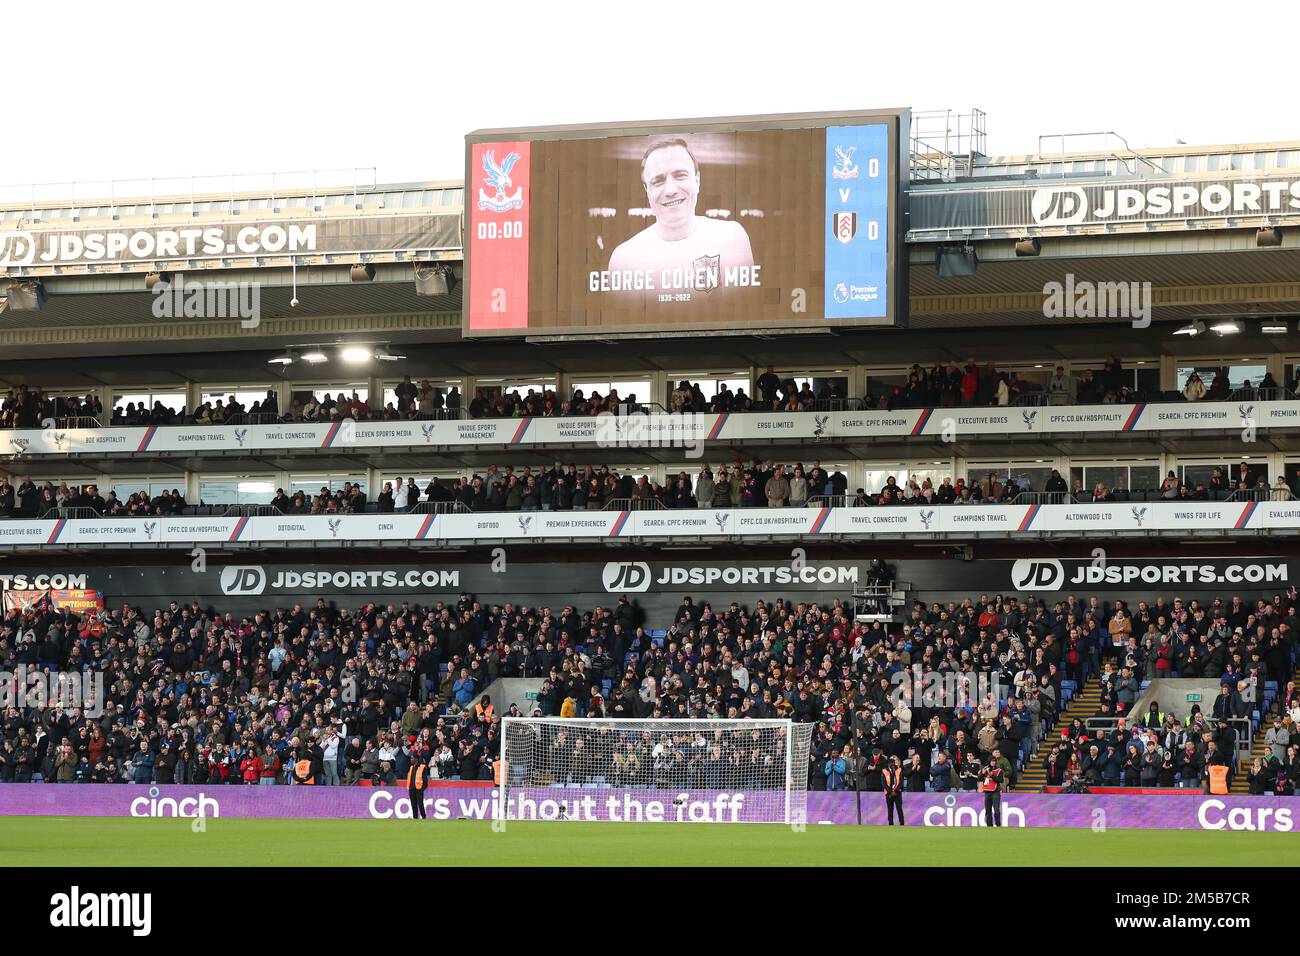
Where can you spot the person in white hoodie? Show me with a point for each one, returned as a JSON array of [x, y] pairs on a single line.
[[329, 745], [401, 495]]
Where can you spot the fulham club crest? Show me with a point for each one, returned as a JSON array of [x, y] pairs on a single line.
[[844, 225]]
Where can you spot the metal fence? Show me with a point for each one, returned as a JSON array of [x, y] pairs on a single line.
[[634, 504]]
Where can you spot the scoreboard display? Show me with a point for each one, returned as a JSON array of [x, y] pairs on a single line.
[[751, 223]]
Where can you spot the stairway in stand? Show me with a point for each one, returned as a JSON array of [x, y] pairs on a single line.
[[1258, 750], [1084, 704]]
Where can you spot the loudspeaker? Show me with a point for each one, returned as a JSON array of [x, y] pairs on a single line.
[[1269, 236], [953, 262], [433, 279], [26, 295]]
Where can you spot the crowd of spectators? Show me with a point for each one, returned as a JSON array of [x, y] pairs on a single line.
[[943, 385], [195, 695], [31, 500], [567, 487], [26, 407]]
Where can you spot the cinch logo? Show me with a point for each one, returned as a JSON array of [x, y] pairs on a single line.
[[951, 815], [1058, 205], [17, 249], [159, 806], [1037, 575], [243, 580], [620, 576], [75, 909]]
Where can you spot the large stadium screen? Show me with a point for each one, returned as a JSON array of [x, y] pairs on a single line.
[[771, 222]]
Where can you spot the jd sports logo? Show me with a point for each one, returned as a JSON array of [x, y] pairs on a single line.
[[1058, 205], [1044, 574], [16, 249], [624, 576], [243, 580]]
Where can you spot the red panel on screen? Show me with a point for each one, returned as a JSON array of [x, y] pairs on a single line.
[[498, 236]]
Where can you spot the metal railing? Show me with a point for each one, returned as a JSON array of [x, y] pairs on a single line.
[[1262, 494], [828, 501], [1122, 155], [634, 504], [440, 508], [72, 199], [1272, 394], [1044, 498], [944, 144], [256, 418], [1032, 399], [67, 512], [252, 511]]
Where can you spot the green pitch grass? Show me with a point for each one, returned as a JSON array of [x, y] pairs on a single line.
[[112, 841]]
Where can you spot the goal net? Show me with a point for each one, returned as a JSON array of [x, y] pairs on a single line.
[[633, 771]]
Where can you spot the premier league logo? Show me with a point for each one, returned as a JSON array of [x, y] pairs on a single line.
[[840, 293], [844, 167], [497, 177], [844, 225]]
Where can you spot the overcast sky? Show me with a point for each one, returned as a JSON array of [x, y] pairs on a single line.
[[128, 90]]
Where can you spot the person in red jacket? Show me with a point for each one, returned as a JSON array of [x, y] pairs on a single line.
[[270, 767], [251, 769], [970, 383]]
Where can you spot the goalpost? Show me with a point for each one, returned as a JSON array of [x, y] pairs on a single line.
[[687, 771]]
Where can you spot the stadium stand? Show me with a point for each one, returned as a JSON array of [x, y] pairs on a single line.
[[573, 487], [952, 386], [194, 695]]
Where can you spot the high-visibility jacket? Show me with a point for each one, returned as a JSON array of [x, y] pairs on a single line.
[[1218, 778], [893, 780], [303, 770], [417, 776]]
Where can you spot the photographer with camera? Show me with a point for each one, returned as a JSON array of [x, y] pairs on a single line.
[[992, 783]]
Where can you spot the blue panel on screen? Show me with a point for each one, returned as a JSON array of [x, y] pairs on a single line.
[[857, 221]]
